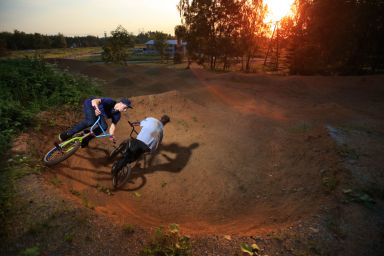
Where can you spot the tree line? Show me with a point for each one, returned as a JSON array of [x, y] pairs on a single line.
[[322, 37], [19, 40]]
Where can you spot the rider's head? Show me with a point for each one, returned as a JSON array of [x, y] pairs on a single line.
[[123, 105], [165, 119]]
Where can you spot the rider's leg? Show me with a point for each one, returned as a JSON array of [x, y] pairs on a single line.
[[89, 119], [96, 131], [135, 149], [128, 157]]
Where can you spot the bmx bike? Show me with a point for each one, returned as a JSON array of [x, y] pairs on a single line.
[[121, 174], [67, 148]]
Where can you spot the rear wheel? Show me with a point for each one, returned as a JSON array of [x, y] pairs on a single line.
[[61, 152]]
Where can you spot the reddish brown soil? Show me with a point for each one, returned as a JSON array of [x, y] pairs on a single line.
[[243, 154]]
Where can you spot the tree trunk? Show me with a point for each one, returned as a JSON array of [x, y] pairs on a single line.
[[247, 64]]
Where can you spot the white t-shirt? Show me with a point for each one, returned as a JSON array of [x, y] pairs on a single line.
[[151, 132]]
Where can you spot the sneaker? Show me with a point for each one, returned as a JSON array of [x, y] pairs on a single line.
[[86, 140], [64, 136]]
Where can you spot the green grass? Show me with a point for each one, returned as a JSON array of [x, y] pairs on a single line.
[[86, 203], [55, 181], [128, 229], [103, 189], [27, 87], [72, 53], [32, 251], [168, 242], [358, 196]]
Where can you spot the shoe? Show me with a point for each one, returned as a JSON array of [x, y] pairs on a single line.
[[84, 143], [86, 140], [64, 136]]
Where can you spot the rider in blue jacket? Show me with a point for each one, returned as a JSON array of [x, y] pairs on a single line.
[[92, 108]]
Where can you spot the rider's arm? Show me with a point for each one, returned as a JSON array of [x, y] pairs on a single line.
[[95, 104], [112, 129]]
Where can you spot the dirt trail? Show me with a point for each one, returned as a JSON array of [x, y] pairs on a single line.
[[243, 154]]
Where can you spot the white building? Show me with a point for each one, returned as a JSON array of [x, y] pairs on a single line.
[[171, 47]]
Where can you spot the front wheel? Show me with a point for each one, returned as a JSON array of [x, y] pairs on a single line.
[[120, 177], [61, 152]]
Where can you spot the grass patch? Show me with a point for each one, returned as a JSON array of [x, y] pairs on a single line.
[[103, 189], [32, 251], [74, 53], [359, 197], [252, 249], [56, 182], [86, 203], [167, 242], [68, 237], [29, 86], [128, 229]]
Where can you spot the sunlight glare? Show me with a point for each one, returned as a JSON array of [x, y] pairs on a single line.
[[277, 9]]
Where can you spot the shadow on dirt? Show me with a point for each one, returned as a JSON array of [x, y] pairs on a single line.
[[172, 164]]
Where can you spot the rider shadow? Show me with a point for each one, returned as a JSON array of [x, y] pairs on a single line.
[[172, 164]]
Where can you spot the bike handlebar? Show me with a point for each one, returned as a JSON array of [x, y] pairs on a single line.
[[105, 134], [133, 129]]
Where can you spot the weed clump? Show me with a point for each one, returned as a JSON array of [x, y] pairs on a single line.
[[168, 243]]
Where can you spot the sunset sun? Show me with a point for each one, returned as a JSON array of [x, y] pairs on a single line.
[[278, 9]]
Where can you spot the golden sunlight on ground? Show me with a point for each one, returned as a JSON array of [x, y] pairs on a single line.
[[277, 9]]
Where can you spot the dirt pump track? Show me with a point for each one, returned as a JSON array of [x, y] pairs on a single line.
[[243, 154]]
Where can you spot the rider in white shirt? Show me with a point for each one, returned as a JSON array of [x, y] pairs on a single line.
[[147, 140], [151, 132]]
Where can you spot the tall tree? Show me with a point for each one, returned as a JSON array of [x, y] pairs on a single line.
[[160, 44], [59, 41], [343, 36], [252, 29], [180, 33], [116, 48]]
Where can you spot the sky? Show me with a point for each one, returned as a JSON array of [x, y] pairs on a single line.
[[88, 17]]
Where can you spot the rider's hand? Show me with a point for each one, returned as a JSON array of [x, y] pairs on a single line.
[[97, 111]]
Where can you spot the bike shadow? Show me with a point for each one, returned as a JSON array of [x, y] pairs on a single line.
[[174, 159]]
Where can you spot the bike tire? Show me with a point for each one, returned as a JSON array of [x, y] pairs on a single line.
[[121, 176], [62, 152]]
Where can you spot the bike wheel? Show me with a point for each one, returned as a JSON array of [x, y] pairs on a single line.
[[119, 150], [121, 177], [58, 154]]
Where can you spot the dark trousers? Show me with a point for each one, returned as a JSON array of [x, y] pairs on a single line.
[[133, 151], [89, 119]]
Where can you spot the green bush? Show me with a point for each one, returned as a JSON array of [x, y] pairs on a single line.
[[28, 86]]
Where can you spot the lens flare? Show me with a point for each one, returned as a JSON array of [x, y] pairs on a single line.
[[278, 9]]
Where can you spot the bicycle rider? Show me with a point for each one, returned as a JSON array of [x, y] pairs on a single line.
[[92, 108], [148, 139]]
